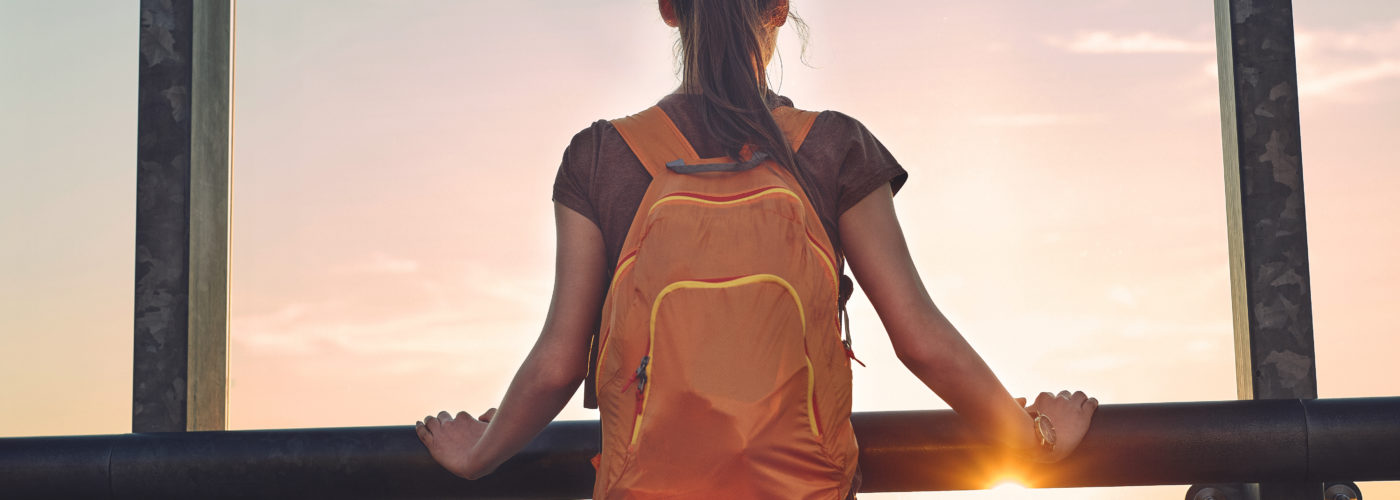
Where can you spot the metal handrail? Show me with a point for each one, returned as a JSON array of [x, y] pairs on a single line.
[[1127, 445]]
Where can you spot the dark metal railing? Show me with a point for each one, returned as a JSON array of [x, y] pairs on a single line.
[[1139, 444]]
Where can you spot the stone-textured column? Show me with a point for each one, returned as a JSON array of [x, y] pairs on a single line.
[[1264, 204], [184, 124]]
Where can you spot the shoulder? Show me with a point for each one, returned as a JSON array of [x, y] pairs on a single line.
[[836, 134], [853, 155], [831, 127], [581, 156], [600, 140], [590, 136], [840, 124]]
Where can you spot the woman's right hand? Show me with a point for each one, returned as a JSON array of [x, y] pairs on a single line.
[[1070, 415], [452, 441]]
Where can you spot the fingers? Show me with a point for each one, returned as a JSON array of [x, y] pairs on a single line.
[[1079, 399], [1076, 399], [1021, 401], [423, 434], [434, 423]]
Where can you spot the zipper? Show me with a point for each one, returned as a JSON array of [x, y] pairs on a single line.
[[721, 200], [846, 325], [639, 377], [643, 372]]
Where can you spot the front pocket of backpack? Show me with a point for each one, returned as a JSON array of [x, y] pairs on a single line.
[[726, 383]]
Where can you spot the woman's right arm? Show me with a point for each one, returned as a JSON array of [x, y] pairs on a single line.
[[928, 344], [551, 373]]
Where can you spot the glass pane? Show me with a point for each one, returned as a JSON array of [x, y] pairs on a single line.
[[67, 209], [1348, 68], [393, 232], [1065, 203], [1348, 71]]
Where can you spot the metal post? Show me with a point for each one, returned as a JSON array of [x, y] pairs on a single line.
[[184, 124], [1274, 357]]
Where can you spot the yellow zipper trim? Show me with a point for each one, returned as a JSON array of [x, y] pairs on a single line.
[[746, 280], [623, 267], [677, 197]]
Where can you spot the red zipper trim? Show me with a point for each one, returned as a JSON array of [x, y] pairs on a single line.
[[730, 197], [720, 280], [818, 244]]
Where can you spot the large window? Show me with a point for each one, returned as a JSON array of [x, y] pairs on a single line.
[[392, 230]]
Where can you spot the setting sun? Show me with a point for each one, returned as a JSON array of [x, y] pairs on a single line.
[[1008, 485]]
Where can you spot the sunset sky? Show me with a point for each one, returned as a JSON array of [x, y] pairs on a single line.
[[392, 246]]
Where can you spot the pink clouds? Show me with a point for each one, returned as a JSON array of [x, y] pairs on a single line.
[[1143, 42], [1346, 65]]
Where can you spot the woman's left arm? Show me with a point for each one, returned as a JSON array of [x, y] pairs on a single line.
[[473, 447]]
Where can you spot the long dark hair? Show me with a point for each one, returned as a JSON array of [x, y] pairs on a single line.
[[721, 44]]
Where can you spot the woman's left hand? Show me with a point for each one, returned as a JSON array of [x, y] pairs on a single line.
[[1070, 414], [452, 441]]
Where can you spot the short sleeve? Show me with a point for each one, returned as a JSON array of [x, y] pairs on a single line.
[[865, 166], [574, 181]]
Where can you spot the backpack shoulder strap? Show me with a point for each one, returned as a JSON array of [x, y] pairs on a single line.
[[796, 123], [654, 138], [656, 141]]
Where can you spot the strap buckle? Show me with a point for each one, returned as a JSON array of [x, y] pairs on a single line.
[[681, 167]]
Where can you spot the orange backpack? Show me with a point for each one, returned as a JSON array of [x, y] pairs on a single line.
[[720, 367]]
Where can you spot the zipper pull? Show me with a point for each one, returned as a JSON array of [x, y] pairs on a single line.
[[846, 327], [639, 376], [852, 354]]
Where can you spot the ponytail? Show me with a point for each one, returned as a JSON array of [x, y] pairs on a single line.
[[722, 49]]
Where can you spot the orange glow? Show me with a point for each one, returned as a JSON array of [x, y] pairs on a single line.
[[1007, 484]]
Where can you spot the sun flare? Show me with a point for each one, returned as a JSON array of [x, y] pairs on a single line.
[[1007, 485], [1006, 488]]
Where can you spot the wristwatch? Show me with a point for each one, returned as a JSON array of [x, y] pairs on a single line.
[[1045, 431]]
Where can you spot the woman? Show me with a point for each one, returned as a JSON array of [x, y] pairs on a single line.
[[723, 108]]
